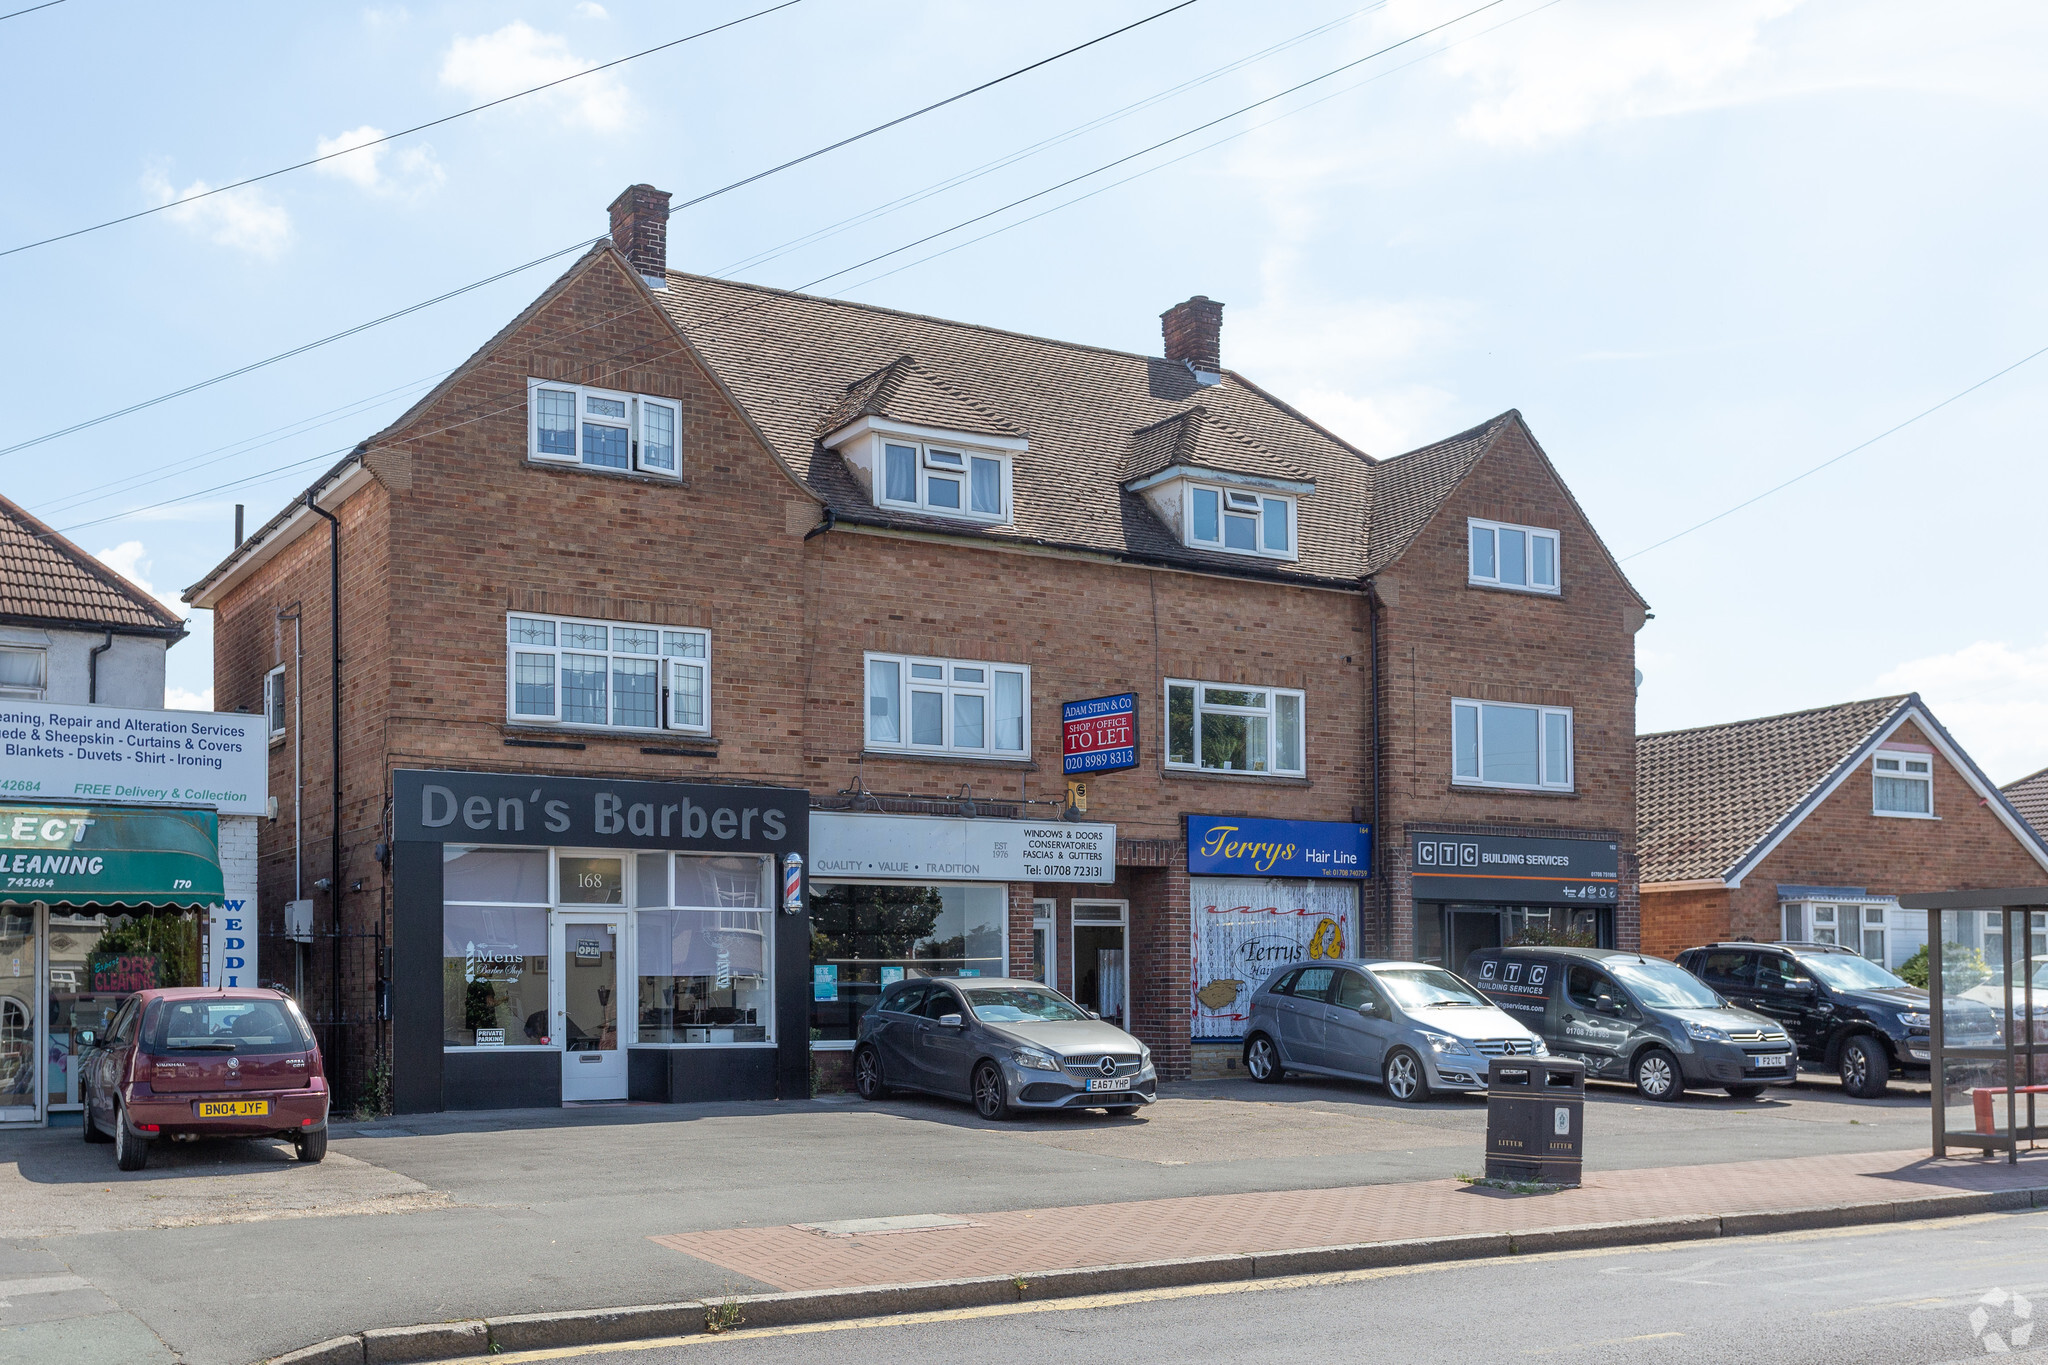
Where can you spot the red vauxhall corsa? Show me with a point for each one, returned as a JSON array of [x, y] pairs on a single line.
[[191, 1062]]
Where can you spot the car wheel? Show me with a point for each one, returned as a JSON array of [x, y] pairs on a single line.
[[1657, 1075], [92, 1130], [1745, 1092], [991, 1100], [1866, 1071], [312, 1146], [868, 1081], [1262, 1059], [131, 1153], [1404, 1077]]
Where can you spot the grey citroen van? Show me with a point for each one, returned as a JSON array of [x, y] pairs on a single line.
[[1635, 1019]]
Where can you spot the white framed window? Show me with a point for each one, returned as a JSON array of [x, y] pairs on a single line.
[[562, 670], [274, 701], [1227, 728], [1809, 923], [1902, 783], [1503, 555], [24, 673], [942, 479], [952, 706], [1873, 944], [1239, 521], [602, 428], [1497, 744]]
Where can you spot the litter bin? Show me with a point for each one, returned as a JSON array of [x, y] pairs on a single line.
[[1535, 1119]]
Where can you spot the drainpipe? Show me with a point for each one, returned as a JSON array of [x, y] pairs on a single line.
[[831, 519], [334, 707], [92, 667], [294, 614], [1372, 609]]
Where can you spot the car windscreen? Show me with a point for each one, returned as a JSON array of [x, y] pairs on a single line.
[[1018, 1005], [243, 1027], [1420, 987], [1663, 985], [1848, 973]]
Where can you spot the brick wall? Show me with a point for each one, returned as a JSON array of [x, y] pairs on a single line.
[[1676, 920], [1441, 638]]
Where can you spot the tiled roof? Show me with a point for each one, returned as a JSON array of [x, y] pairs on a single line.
[[795, 360], [1707, 797], [1199, 440], [2029, 796], [905, 391], [47, 578], [1407, 489]]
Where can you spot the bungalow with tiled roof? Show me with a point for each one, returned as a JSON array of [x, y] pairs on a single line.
[[1810, 826], [2029, 796]]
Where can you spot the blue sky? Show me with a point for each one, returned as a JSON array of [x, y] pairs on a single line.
[[1701, 247]]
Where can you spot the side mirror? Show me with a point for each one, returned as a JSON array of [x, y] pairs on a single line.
[[1091, 1014], [1606, 1006], [86, 1037], [1370, 1009], [951, 1021]]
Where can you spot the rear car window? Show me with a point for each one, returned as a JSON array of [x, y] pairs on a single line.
[[245, 1027], [1314, 983]]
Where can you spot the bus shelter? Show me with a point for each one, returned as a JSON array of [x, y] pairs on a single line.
[[1987, 979]]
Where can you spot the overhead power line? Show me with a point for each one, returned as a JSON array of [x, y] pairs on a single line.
[[30, 10], [1837, 459], [403, 132], [736, 313], [576, 246]]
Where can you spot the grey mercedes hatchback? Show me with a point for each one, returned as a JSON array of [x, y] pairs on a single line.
[[1413, 1027], [1003, 1044]]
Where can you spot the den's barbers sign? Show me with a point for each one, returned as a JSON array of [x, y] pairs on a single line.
[[1491, 867], [528, 808]]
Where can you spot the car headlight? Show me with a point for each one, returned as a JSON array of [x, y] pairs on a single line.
[[1704, 1033], [1032, 1058], [1144, 1056], [1445, 1045], [1914, 1018], [1542, 1048]]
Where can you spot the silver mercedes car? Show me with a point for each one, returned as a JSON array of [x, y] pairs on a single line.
[[1005, 1045], [1413, 1027]]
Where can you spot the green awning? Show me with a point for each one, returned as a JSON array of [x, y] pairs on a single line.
[[131, 856]]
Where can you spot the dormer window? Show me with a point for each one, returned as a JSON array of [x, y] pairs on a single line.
[[933, 478], [1239, 521]]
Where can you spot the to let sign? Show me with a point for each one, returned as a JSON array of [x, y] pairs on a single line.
[[1100, 735]]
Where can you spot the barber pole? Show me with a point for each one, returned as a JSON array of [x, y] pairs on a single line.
[[793, 882]]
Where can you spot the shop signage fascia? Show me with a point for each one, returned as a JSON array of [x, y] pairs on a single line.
[[112, 753], [1099, 734], [1516, 870], [1237, 846], [110, 855], [862, 847], [430, 806]]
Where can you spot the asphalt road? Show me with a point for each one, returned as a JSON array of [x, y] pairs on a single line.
[[1877, 1296], [451, 1216]]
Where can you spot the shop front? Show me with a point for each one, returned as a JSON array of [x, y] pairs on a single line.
[[1264, 894], [577, 940], [899, 896], [1475, 891], [96, 902]]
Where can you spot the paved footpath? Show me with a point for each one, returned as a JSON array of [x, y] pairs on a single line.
[[1024, 1242]]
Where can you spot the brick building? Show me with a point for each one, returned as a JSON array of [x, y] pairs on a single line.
[[2029, 796], [679, 531], [1810, 826]]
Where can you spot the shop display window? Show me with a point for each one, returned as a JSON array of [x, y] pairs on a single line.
[[704, 949], [867, 937], [494, 948]]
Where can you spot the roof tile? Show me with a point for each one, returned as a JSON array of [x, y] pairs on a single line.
[[46, 577]]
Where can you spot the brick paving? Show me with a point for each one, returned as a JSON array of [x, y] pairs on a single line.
[[1026, 1241]]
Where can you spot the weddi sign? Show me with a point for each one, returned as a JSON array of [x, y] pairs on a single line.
[[113, 753]]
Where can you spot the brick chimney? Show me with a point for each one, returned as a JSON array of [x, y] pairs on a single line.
[[640, 231], [1194, 334]]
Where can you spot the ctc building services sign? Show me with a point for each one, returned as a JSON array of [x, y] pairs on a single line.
[[1489, 867], [112, 753], [1099, 735]]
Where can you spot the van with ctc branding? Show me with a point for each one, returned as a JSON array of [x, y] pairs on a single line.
[[1635, 1019]]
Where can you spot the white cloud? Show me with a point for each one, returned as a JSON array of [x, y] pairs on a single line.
[[130, 560], [409, 168], [244, 219], [588, 10], [1585, 63], [517, 57], [184, 699], [1993, 697]]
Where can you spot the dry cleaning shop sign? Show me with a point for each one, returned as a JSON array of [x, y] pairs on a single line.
[[113, 753]]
